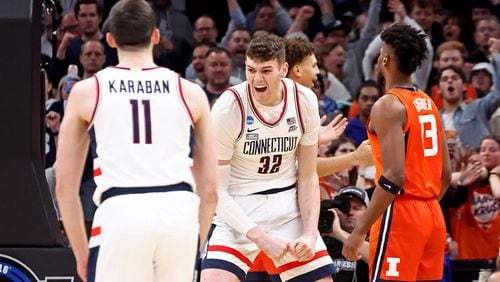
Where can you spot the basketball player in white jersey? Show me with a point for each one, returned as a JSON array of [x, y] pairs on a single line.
[[303, 69], [267, 132], [148, 222]]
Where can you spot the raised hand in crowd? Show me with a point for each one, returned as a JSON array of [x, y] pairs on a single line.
[[53, 120], [332, 130], [397, 7], [275, 3], [494, 45], [461, 154], [473, 171], [325, 6], [65, 42], [301, 21]]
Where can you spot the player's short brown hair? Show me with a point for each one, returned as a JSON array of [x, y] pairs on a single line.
[[297, 49], [131, 22], [267, 47]]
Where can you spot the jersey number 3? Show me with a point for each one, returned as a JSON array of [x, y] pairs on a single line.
[[428, 128], [135, 121]]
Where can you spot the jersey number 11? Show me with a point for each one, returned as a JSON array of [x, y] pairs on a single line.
[[135, 121]]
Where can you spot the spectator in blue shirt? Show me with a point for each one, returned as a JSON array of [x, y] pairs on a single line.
[[367, 95]]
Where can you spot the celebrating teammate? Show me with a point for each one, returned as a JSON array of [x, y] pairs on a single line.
[[412, 171], [267, 202], [147, 224]]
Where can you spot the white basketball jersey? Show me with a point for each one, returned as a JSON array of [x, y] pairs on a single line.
[[142, 129], [264, 153]]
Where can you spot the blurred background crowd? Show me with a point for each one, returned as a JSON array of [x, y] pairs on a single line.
[[205, 42]]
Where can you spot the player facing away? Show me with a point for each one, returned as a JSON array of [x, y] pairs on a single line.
[[149, 221], [412, 171], [267, 131]]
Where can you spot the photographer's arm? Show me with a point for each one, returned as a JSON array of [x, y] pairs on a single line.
[[341, 235]]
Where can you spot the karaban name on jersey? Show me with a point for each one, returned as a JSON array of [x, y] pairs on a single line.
[[142, 129], [139, 86]]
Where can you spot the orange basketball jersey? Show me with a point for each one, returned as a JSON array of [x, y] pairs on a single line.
[[423, 144], [399, 250]]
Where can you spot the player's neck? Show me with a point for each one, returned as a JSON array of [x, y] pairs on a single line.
[[398, 80], [273, 100], [136, 59]]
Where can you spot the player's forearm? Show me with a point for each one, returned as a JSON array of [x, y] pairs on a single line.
[[227, 208], [329, 165], [446, 174], [206, 213], [72, 217], [206, 187], [342, 235], [381, 199], [233, 214], [309, 205]]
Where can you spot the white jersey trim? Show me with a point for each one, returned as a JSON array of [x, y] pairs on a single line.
[[240, 105], [183, 100], [299, 112], [96, 102], [257, 113]]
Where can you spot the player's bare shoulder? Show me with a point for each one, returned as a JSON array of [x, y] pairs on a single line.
[[228, 101], [83, 97], [388, 105], [388, 110], [303, 91], [196, 98]]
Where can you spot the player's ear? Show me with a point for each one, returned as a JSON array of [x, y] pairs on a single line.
[[155, 36], [385, 59], [284, 69], [110, 40], [296, 71]]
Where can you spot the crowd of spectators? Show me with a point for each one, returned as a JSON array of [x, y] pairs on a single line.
[[461, 74]]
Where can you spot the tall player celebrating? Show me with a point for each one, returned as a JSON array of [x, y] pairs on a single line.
[[267, 202], [147, 224], [412, 171]]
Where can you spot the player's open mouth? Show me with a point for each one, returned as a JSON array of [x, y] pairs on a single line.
[[451, 89], [260, 89]]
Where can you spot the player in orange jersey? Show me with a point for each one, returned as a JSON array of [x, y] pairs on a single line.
[[412, 171]]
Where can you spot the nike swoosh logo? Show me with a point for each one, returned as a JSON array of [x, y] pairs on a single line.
[[251, 130]]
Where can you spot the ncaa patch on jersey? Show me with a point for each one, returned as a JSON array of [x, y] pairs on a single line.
[[249, 120]]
